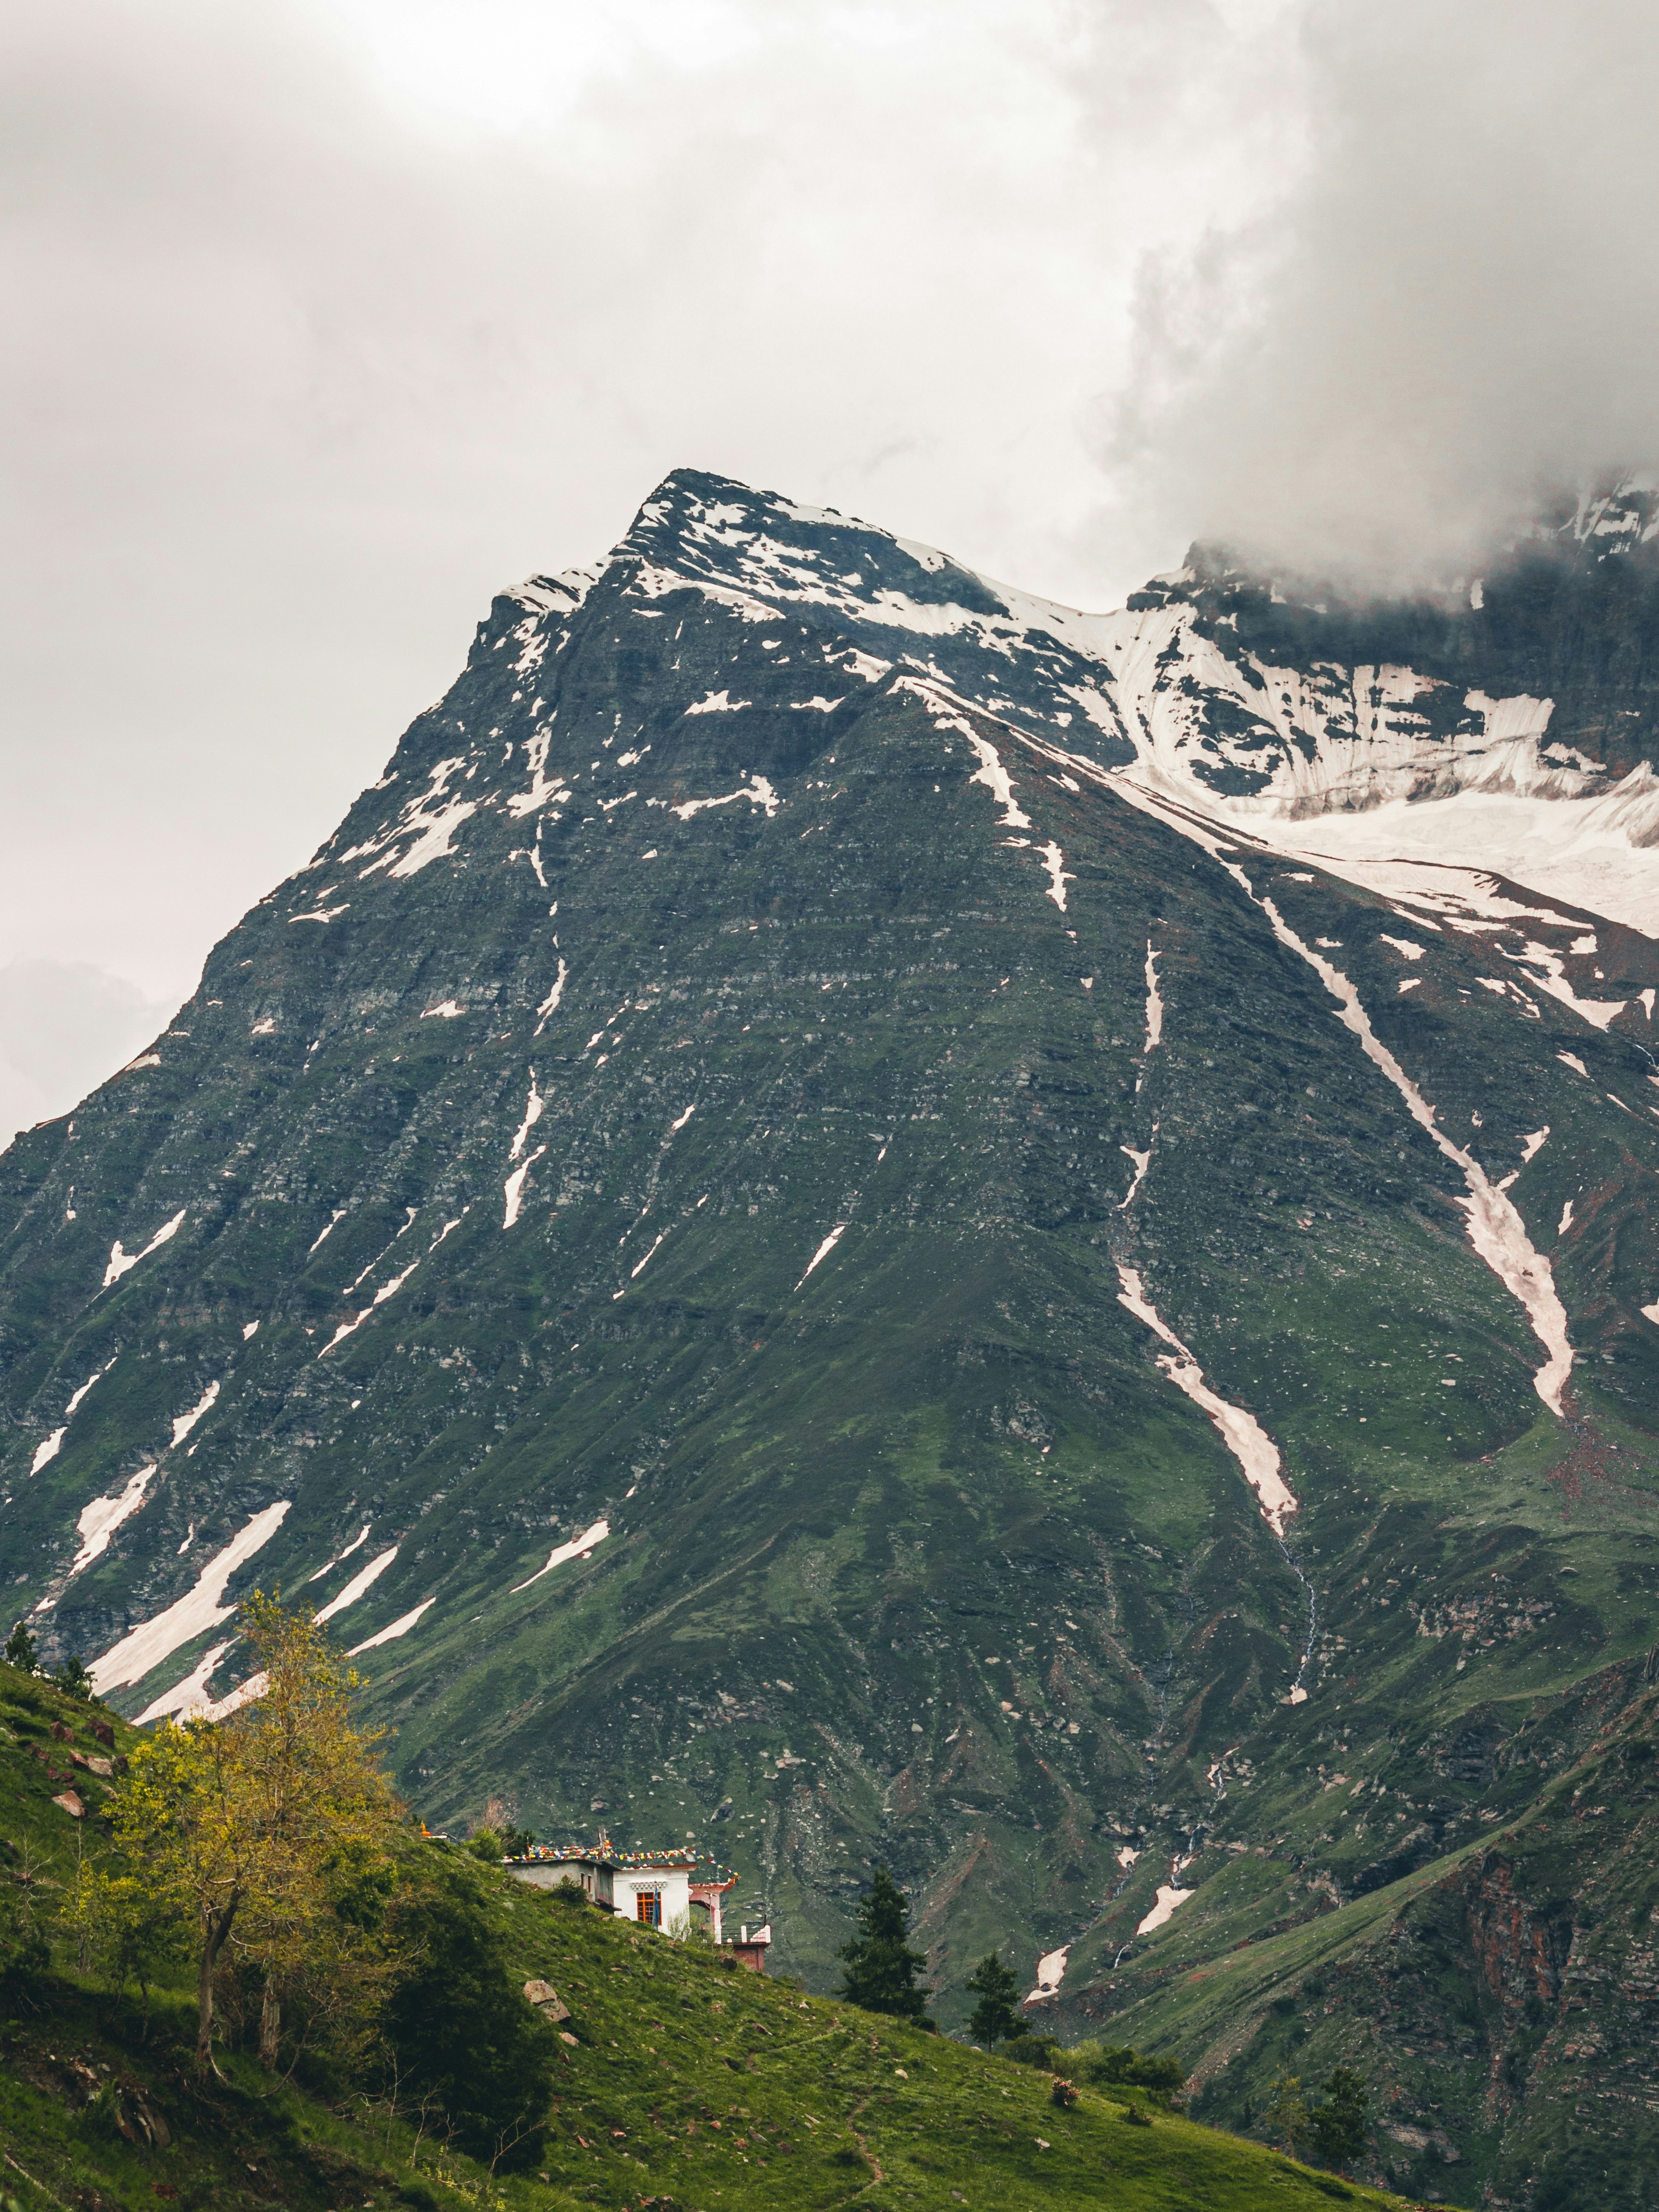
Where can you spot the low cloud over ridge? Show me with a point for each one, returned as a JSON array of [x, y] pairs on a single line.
[[1452, 312]]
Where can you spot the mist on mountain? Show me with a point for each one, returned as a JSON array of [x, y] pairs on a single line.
[[1451, 314]]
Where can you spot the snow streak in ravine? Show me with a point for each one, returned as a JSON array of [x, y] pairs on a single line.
[[1242, 1434]]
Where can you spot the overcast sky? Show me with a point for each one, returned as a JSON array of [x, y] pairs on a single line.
[[328, 317]]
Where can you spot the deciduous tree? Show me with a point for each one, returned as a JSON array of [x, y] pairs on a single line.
[[1286, 2119], [243, 1825]]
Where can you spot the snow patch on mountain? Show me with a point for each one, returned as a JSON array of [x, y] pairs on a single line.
[[577, 1547], [188, 1699], [1154, 1003], [825, 1248], [1242, 1434], [356, 1543], [532, 1114], [364, 1579], [97, 1523], [759, 791], [399, 1628], [48, 1448], [1496, 1229], [1171, 1896], [146, 1646], [184, 1423], [121, 1262]]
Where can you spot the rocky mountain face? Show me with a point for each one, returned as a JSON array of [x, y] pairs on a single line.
[[854, 1216]]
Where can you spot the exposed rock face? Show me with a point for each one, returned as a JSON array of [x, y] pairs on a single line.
[[547, 2000], [856, 1206]]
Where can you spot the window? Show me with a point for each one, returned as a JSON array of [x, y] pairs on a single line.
[[647, 1906]]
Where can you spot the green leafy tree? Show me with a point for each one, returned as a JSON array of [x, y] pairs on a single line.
[[1036, 2049], [1286, 2119], [1339, 2127], [881, 1969], [20, 1648], [997, 2017], [241, 1825], [126, 1926], [458, 2032]]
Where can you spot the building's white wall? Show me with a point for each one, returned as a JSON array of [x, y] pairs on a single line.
[[675, 1884], [546, 1874], [616, 1888]]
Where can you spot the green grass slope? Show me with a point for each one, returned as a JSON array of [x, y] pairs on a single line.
[[687, 2082]]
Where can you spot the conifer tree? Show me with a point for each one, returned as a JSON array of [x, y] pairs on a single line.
[[19, 1648], [881, 1969], [997, 2017], [1339, 2127]]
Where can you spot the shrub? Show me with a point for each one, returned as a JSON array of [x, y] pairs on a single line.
[[1107, 2066], [1039, 2050], [460, 2033]]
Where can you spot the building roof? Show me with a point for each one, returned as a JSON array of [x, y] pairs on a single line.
[[604, 1853]]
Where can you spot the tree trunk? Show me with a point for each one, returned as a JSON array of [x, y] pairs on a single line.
[[270, 2020], [217, 1928]]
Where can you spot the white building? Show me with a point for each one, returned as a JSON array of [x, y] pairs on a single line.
[[658, 1889]]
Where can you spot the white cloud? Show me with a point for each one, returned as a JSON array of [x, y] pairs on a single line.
[[1453, 307]]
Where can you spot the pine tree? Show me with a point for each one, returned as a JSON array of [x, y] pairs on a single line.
[[20, 1648], [881, 1969], [1339, 2127], [996, 2018]]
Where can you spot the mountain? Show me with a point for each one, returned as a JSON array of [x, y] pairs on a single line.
[[852, 1215]]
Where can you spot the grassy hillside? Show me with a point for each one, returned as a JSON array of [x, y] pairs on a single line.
[[688, 2083]]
